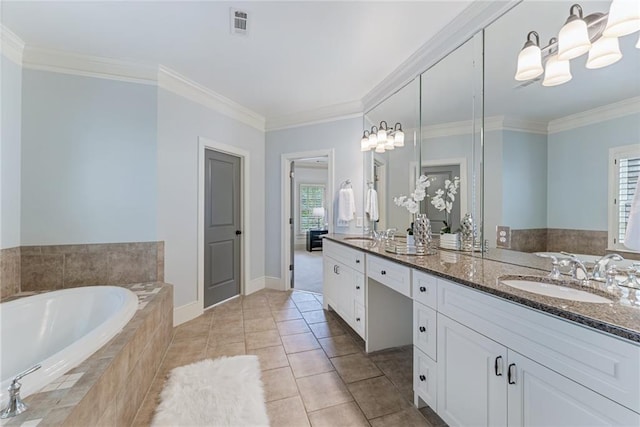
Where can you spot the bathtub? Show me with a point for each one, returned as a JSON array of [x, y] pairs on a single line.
[[58, 330]]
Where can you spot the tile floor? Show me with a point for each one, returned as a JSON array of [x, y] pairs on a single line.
[[314, 368]]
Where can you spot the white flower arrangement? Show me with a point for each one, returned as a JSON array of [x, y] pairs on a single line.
[[412, 202], [443, 200]]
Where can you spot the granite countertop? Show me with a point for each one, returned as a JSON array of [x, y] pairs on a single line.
[[620, 318]]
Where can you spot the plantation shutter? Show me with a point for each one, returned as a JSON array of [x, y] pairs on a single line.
[[628, 173], [311, 196]]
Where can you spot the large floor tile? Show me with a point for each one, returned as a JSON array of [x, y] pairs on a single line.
[[355, 367], [279, 384], [323, 390], [271, 357], [308, 305], [339, 345], [409, 417], [316, 316], [260, 324], [288, 412], [255, 340], [309, 363], [228, 350], [346, 414], [286, 314], [300, 342], [327, 329], [292, 327], [377, 397]]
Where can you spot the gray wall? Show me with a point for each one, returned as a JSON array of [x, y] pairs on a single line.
[[180, 123], [11, 101], [341, 135], [88, 160], [493, 185], [577, 184]]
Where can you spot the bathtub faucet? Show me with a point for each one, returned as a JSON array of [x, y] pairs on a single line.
[[16, 406]]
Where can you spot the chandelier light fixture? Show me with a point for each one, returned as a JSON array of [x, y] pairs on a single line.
[[596, 33], [382, 138]]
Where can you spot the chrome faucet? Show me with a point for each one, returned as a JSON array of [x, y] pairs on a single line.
[[577, 266], [555, 264], [600, 268], [16, 406]]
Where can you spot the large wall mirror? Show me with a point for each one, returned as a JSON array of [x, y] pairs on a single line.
[[390, 173], [560, 162]]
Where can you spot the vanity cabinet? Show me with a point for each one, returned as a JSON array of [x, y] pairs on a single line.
[[343, 284]]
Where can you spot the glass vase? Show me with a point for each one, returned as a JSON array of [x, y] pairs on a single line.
[[422, 231]]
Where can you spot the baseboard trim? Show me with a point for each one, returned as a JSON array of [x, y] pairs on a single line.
[[186, 312], [254, 285], [274, 283]]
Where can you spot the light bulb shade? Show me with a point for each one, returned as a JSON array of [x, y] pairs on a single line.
[[389, 145], [529, 62], [382, 134], [398, 138], [573, 39], [557, 71], [318, 212], [605, 51], [380, 148], [373, 140], [364, 144], [624, 18]]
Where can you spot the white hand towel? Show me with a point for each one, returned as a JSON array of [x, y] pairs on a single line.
[[371, 205], [632, 235], [346, 204]]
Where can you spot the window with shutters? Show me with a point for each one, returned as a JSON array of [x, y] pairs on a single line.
[[624, 170], [311, 196]]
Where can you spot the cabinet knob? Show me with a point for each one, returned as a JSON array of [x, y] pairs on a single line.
[[357, 319], [422, 378], [423, 289], [383, 272], [357, 287], [357, 261], [423, 329]]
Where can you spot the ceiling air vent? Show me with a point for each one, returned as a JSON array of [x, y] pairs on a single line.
[[239, 22]]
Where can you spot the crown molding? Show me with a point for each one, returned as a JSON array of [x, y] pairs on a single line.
[[472, 19], [183, 86], [596, 115], [492, 123], [521, 125], [331, 113], [36, 58], [11, 46]]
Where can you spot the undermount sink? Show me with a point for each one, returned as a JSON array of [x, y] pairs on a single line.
[[361, 239], [556, 291]]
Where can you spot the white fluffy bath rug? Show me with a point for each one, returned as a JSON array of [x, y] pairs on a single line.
[[214, 392]]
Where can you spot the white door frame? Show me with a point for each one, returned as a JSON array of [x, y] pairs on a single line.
[[285, 190], [245, 237]]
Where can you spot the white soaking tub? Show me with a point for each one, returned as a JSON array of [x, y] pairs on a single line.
[[58, 330]]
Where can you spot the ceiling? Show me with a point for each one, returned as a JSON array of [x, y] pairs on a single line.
[[448, 87], [297, 56]]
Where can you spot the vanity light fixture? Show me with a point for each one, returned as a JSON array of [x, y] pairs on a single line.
[[624, 18], [382, 138], [596, 33], [573, 39], [530, 59]]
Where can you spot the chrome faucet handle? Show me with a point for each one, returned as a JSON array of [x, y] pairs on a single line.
[[577, 266], [555, 270], [600, 267], [16, 406]]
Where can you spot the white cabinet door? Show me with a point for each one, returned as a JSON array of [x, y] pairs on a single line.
[[424, 329], [472, 390], [425, 378], [329, 287], [344, 285], [538, 396]]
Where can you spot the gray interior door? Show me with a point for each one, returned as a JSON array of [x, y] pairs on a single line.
[[222, 227], [292, 226], [439, 174]]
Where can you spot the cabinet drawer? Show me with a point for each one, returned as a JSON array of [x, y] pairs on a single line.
[[391, 274], [605, 364], [359, 319], [350, 257], [424, 329], [425, 378], [358, 288], [425, 289]]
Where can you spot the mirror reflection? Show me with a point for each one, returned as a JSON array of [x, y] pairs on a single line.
[[561, 162], [391, 173]]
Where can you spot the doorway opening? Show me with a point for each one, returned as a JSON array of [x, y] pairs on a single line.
[[308, 212]]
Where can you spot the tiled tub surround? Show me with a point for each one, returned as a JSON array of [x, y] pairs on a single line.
[[108, 388], [559, 239], [9, 272], [66, 266], [619, 318]]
